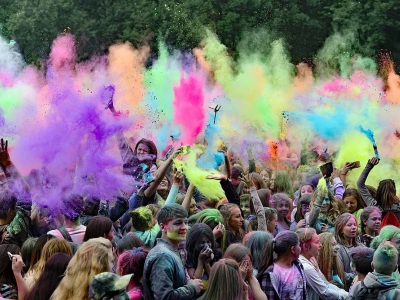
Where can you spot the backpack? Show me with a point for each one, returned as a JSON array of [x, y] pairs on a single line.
[[365, 293]]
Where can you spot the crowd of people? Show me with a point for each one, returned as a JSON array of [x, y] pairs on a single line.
[[284, 230]]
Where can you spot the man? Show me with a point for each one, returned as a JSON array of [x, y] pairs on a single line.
[[164, 273], [317, 285]]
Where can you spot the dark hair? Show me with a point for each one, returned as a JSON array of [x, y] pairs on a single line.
[[365, 216], [303, 200], [257, 243], [6, 272], [7, 201], [264, 195], [236, 172], [193, 238], [26, 252], [283, 184], [91, 206], [150, 144], [37, 249], [258, 181], [281, 244], [356, 194], [340, 224], [237, 252], [169, 212], [386, 194], [362, 258], [98, 226], [132, 262], [129, 242], [73, 206], [49, 280]]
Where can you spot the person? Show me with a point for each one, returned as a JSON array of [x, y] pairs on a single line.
[[201, 251], [8, 283], [371, 218], [281, 182], [225, 282], [99, 226], [164, 275], [256, 244], [53, 272], [284, 277], [8, 203], [379, 284], [324, 209], [346, 237], [282, 204], [241, 254], [144, 226], [26, 252], [132, 262], [306, 188], [51, 247], [73, 231], [271, 217], [328, 261], [93, 257], [303, 207], [109, 286], [266, 175], [354, 203], [128, 242], [386, 199], [361, 262], [317, 285], [234, 223]]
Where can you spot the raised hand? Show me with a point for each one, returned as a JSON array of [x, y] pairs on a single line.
[[5, 160], [374, 161]]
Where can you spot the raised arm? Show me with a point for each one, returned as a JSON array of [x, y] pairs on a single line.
[[258, 207], [365, 194]]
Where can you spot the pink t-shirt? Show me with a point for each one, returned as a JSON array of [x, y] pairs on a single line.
[[77, 234]]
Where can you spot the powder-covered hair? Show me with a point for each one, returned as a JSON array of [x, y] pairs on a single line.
[[256, 244], [225, 282], [90, 259], [340, 224], [365, 216], [171, 211], [209, 216], [142, 218], [387, 233], [132, 262], [361, 258], [280, 245], [333, 211], [356, 194], [385, 258], [283, 184], [305, 235], [326, 261]]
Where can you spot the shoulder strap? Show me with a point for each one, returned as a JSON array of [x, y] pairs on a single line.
[[64, 232]]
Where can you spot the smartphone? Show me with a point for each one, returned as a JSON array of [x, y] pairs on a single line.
[[148, 177], [10, 255], [326, 169], [356, 164]]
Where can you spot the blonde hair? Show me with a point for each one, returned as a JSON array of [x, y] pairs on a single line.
[[51, 247], [333, 211], [226, 211], [90, 259]]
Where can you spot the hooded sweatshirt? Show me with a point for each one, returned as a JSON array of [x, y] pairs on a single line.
[[378, 281]]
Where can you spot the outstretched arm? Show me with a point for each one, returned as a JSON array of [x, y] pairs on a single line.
[[365, 194]]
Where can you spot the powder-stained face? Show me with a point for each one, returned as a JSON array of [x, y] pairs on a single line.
[[176, 229], [282, 208], [326, 204], [245, 206], [374, 221], [142, 149]]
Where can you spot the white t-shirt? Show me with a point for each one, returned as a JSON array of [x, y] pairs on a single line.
[[290, 283]]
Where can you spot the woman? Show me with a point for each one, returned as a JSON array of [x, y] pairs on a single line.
[[93, 257], [99, 226], [303, 207], [317, 285], [386, 199], [282, 204], [26, 252], [346, 237], [274, 274], [241, 254], [256, 244], [271, 217], [305, 189], [37, 249], [132, 262], [266, 175], [328, 261], [8, 283], [371, 218], [234, 223], [53, 272], [225, 282], [144, 226], [201, 251], [53, 246], [354, 204]]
